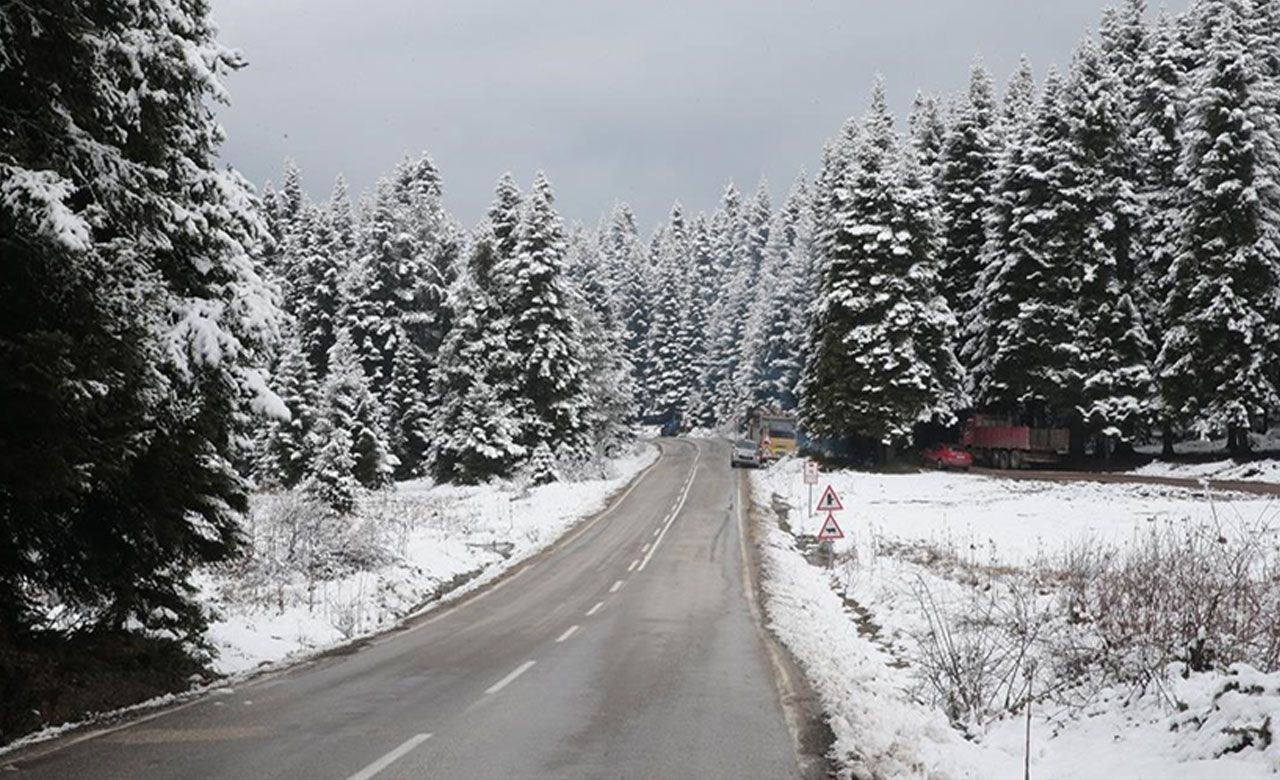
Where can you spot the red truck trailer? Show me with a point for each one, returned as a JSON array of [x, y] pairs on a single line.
[[996, 441]]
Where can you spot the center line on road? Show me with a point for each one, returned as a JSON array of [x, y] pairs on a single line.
[[572, 630], [657, 530], [633, 565], [390, 758], [675, 512], [599, 606], [617, 586], [644, 548], [505, 681]]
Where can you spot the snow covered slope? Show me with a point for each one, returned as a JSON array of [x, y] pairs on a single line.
[[418, 543], [924, 554]]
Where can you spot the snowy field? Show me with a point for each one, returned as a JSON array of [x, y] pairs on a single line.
[[1265, 468], [1225, 470], [407, 549], [951, 598]]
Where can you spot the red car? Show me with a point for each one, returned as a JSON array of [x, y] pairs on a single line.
[[947, 456]]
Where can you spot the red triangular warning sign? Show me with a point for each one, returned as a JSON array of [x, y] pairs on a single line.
[[829, 502], [830, 529]]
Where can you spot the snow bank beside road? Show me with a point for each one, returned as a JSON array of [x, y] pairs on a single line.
[[879, 731], [412, 545], [957, 541]]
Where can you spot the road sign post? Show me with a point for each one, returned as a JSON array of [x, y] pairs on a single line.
[[810, 479]]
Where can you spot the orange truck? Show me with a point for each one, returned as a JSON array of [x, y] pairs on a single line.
[[775, 431]]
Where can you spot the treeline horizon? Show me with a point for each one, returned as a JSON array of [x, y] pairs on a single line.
[[1097, 246], [1036, 243]]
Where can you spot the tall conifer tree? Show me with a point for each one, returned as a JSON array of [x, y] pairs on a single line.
[[1217, 365], [882, 357], [531, 288], [135, 323], [965, 183]]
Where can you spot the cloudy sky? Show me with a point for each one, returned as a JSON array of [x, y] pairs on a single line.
[[645, 101]]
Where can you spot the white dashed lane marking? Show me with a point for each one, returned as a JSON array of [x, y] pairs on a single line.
[[505, 681], [390, 758], [675, 512], [572, 630]]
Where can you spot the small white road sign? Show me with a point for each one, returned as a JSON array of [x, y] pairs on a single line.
[[811, 472]]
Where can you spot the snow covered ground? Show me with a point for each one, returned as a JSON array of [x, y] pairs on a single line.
[[1267, 470], [928, 556], [1264, 467], [409, 548], [1268, 442]]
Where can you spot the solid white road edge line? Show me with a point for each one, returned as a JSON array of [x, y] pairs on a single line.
[[505, 681], [599, 606], [781, 673], [572, 630], [662, 532], [617, 586], [390, 758]]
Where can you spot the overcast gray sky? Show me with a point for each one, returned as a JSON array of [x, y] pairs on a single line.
[[646, 101]]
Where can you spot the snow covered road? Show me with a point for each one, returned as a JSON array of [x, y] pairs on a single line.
[[629, 649]]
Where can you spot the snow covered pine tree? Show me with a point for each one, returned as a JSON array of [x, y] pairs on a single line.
[[1218, 363], [881, 357], [135, 318]]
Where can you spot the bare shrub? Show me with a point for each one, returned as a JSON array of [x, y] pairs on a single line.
[[980, 661], [1184, 596], [347, 611], [297, 542], [1205, 595], [394, 517]]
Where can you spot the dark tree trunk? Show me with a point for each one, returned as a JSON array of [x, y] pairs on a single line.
[[1078, 437], [1166, 439], [887, 454], [1238, 439]]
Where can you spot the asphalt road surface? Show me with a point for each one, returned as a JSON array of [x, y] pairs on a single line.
[[629, 650]]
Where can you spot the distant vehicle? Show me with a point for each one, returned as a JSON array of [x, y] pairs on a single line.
[[745, 453], [995, 440], [947, 456], [773, 431], [672, 423]]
